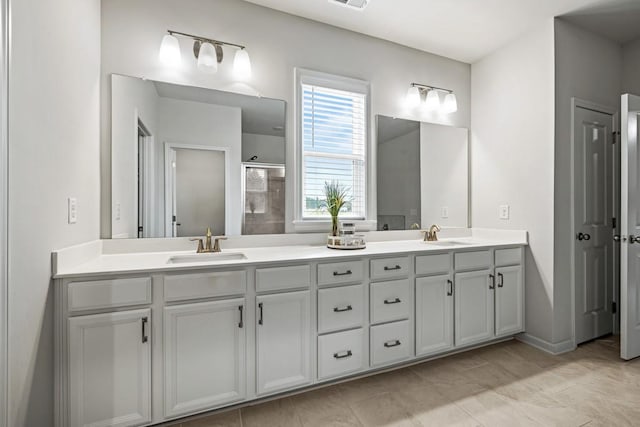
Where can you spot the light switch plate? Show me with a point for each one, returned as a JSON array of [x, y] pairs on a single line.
[[503, 212], [72, 210], [444, 212]]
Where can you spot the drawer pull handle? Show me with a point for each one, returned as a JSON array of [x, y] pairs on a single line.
[[450, 291], [346, 273], [392, 301], [344, 355], [145, 337], [397, 267], [241, 324], [260, 319], [492, 283], [342, 309], [393, 343], [501, 281]]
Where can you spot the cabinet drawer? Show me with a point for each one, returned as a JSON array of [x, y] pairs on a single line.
[[390, 343], [108, 293], [472, 260], [340, 308], [433, 264], [341, 353], [512, 256], [277, 278], [390, 301], [180, 287], [340, 272], [389, 267]]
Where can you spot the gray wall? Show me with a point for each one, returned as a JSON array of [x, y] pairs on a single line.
[[631, 68], [587, 67], [277, 43], [53, 154]]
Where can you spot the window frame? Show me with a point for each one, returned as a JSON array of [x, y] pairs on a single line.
[[331, 81]]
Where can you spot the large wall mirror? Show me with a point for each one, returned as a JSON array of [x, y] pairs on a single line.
[[422, 175], [185, 158]]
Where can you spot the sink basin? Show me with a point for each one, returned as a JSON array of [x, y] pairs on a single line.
[[207, 257], [446, 243]]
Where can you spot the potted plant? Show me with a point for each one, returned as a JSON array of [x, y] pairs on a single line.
[[335, 199]]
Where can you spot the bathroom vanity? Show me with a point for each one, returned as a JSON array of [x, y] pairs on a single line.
[[144, 336]]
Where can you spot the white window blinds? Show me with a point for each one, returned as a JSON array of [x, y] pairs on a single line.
[[334, 125]]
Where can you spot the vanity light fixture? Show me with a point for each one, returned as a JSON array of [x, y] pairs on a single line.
[[208, 53], [432, 98]]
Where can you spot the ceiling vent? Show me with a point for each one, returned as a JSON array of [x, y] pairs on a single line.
[[354, 4]]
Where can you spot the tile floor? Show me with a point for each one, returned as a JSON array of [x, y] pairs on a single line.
[[508, 384]]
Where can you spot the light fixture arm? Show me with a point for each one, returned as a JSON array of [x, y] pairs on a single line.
[[425, 87], [205, 40]]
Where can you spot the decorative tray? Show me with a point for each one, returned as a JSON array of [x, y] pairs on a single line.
[[351, 242]]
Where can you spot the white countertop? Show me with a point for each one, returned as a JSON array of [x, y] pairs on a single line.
[[92, 259]]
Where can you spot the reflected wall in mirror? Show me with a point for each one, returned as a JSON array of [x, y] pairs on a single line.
[[180, 156], [422, 175]]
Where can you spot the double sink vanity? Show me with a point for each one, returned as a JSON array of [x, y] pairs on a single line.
[[147, 332]]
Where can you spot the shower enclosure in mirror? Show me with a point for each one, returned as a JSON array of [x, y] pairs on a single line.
[[422, 175], [186, 158]]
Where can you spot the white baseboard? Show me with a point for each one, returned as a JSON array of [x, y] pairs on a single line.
[[553, 348]]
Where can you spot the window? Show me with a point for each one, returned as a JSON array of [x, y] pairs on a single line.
[[333, 135]]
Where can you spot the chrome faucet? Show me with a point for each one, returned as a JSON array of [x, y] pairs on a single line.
[[431, 235], [206, 247]]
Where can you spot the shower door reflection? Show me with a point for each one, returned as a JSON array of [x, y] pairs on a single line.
[[263, 198]]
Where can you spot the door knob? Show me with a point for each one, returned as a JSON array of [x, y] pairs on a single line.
[[583, 236], [634, 239]]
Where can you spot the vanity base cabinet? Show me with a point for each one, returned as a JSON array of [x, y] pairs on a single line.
[[204, 356], [509, 301], [434, 314], [283, 341], [474, 307], [110, 369]]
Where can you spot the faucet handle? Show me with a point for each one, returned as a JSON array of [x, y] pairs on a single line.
[[200, 244], [216, 243]]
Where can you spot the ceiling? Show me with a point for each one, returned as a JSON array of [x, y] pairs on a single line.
[[262, 116], [466, 30], [619, 21]]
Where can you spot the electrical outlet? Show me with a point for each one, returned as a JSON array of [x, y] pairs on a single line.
[[72, 210], [118, 209], [503, 212], [444, 212]]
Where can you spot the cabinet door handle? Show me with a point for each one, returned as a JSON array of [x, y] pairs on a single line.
[[450, 291], [344, 354], [346, 273], [501, 280], [145, 337], [397, 267], [241, 324], [392, 301], [492, 283], [260, 319], [392, 343], [342, 309]]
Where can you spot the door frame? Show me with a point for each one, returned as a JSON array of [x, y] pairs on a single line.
[[168, 193], [5, 54], [582, 103], [148, 223]]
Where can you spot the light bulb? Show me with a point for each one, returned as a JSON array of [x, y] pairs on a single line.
[[170, 51], [413, 97], [207, 58], [450, 104], [433, 101], [242, 64]]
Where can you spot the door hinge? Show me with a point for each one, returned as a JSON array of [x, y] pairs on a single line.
[[614, 307], [614, 223], [615, 134]]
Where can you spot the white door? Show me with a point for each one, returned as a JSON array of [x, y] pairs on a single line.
[[283, 341], [110, 369], [509, 301], [434, 314], [474, 307], [630, 220], [593, 231], [205, 361]]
